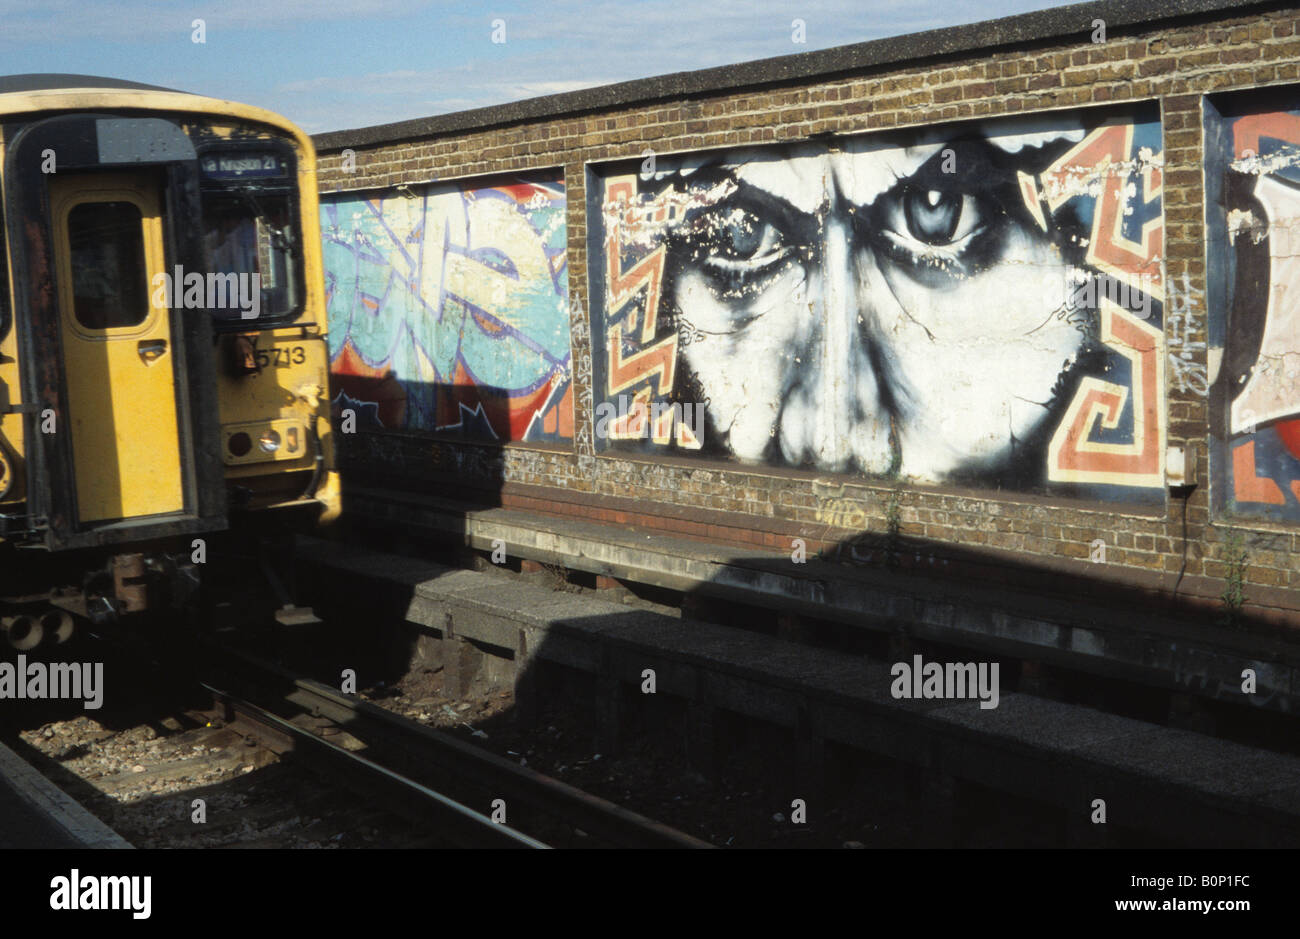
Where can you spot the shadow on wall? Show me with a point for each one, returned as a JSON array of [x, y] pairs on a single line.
[[466, 466], [465, 461]]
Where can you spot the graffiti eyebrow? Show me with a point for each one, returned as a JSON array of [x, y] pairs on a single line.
[[967, 151], [774, 209], [767, 199]]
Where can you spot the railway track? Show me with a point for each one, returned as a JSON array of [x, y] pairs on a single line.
[[280, 760], [178, 776], [475, 798], [459, 825]]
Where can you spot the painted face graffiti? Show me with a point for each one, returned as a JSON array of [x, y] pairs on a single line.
[[879, 308], [859, 291]]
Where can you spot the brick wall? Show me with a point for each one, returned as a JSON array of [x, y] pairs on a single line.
[[1172, 62]]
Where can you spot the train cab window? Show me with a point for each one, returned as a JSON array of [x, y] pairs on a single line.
[[109, 279], [245, 233]]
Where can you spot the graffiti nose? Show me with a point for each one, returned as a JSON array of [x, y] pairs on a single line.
[[837, 378]]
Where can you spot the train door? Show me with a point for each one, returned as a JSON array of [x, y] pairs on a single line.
[[119, 367]]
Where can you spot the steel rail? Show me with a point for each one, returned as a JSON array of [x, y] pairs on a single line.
[[460, 824], [594, 815]]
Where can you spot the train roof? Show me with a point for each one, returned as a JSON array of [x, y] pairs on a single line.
[[58, 81], [35, 94]]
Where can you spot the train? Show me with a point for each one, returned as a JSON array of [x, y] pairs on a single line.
[[164, 374]]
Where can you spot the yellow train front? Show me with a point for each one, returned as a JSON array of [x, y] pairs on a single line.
[[163, 363]]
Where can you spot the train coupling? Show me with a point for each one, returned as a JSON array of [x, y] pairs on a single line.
[[133, 583]]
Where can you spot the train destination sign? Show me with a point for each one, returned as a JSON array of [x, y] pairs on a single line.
[[241, 165]]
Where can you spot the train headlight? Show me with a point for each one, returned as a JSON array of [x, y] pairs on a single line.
[[265, 441]]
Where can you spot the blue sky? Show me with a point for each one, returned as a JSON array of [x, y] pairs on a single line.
[[352, 63]]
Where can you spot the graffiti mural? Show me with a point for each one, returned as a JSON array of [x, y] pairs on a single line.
[[1253, 202], [449, 311], [979, 303]]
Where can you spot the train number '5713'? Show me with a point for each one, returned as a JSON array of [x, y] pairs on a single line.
[[281, 356]]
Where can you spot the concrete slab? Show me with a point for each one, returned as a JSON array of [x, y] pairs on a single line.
[[1041, 722], [35, 813]]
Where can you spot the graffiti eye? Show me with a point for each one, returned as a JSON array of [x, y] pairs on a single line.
[[942, 231], [744, 248], [746, 237], [940, 218]]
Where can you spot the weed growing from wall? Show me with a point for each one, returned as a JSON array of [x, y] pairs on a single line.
[[1234, 589], [558, 577], [893, 527]]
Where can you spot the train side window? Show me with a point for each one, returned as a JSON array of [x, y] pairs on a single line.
[[110, 285]]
